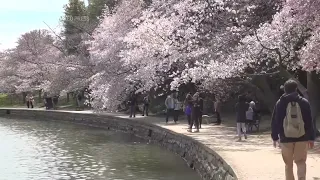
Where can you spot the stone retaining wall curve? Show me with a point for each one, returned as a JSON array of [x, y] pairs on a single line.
[[199, 157]]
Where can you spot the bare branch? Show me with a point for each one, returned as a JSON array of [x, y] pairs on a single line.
[[63, 40], [262, 74], [265, 47]]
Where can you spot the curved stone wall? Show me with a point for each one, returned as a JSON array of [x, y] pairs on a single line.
[[205, 161]]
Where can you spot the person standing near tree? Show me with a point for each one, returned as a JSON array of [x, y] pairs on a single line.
[[293, 126], [146, 103], [55, 100], [30, 100], [48, 101], [188, 107], [132, 103], [241, 108], [195, 112], [169, 103], [201, 108]]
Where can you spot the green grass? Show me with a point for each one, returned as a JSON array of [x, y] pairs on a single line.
[[9, 100], [16, 100]]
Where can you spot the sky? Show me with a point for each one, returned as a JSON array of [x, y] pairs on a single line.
[[20, 16]]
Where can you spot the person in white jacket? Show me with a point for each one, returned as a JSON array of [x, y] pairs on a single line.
[[169, 102], [250, 112]]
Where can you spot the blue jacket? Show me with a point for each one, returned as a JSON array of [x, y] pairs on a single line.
[[280, 113]]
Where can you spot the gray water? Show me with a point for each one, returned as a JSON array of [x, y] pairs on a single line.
[[40, 150]]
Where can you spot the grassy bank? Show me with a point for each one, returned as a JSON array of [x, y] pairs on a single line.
[[16, 100]]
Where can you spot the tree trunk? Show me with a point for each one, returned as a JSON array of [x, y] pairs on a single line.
[[40, 100], [11, 99], [68, 97], [301, 88], [24, 94], [313, 92], [264, 92]]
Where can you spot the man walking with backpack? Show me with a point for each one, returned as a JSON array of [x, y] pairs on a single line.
[[292, 124]]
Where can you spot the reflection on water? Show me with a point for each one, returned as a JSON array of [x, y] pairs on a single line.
[[39, 150]]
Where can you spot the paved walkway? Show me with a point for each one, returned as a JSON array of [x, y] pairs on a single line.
[[251, 159]]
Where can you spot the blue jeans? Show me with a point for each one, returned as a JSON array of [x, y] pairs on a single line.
[[170, 112]]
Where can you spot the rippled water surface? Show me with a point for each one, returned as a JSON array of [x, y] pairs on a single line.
[[39, 150]]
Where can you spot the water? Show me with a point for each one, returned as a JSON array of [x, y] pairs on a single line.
[[40, 150]]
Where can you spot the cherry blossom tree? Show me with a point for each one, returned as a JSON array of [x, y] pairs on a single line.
[[169, 41], [289, 43], [40, 63], [109, 80], [34, 56], [8, 77], [189, 41]]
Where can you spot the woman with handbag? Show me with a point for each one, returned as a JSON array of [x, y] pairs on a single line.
[[188, 107]]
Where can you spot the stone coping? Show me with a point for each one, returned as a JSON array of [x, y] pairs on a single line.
[[201, 158]]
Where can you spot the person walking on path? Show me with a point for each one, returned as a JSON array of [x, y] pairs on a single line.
[[250, 111], [177, 109], [201, 109], [132, 103], [79, 100], [281, 91], [30, 100], [188, 107], [241, 108], [217, 110], [195, 112], [55, 100], [169, 103], [146, 103], [293, 125]]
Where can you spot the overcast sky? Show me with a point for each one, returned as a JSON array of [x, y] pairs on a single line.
[[20, 16]]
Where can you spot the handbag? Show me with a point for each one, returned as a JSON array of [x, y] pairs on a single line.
[[188, 110]]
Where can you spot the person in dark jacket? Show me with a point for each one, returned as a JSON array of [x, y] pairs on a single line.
[[132, 103], [201, 109], [188, 107], [196, 111], [281, 91], [55, 100], [241, 108], [48, 101], [146, 103], [293, 149]]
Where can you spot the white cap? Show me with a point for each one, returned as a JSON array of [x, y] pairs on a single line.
[[252, 104]]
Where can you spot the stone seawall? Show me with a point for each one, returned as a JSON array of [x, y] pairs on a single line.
[[205, 161]]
